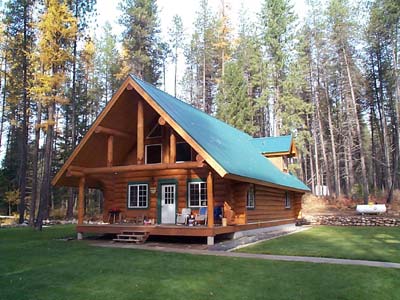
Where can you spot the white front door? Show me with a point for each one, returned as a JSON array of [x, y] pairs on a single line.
[[168, 204]]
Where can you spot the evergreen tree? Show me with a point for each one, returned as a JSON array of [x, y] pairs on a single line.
[[57, 30], [176, 43], [140, 39]]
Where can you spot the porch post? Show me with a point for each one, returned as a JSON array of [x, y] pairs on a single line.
[[81, 199], [210, 200], [172, 147], [140, 133], [110, 150]]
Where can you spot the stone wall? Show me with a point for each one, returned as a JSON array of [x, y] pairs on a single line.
[[351, 220]]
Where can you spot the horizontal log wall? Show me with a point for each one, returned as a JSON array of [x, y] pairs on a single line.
[[270, 205], [116, 190]]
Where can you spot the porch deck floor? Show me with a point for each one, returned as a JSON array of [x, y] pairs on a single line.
[[176, 230]]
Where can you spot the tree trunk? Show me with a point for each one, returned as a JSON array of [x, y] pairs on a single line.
[[25, 122], [45, 189], [365, 184], [396, 135], [3, 104], [35, 179]]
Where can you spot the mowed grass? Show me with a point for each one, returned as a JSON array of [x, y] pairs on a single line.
[[36, 265], [366, 243]]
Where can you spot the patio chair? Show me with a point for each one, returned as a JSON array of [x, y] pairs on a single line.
[[182, 218], [201, 217]]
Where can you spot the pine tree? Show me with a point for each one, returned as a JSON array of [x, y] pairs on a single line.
[[176, 43], [57, 30], [140, 39], [108, 62], [277, 21]]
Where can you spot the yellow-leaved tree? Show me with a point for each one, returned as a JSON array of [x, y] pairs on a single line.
[[57, 30]]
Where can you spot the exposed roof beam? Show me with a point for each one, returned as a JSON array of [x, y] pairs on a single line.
[[114, 132], [79, 171]]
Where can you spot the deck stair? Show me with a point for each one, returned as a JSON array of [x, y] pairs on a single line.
[[138, 237]]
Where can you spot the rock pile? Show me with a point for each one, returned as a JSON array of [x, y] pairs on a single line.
[[352, 220]]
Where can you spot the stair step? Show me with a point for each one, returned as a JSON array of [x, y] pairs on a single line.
[[132, 236]]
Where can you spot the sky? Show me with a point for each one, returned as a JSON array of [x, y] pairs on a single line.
[[107, 10]]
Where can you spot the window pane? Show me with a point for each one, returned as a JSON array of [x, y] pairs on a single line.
[[133, 195], [197, 194], [138, 195], [153, 154], [155, 131], [183, 152]]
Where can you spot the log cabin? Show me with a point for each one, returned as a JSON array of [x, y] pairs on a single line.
[[153, 155]]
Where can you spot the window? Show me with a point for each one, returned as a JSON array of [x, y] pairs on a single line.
[[287, 200], [153, 154], [138, 195], [197, 194], [183, 152], [250, 197], [156, 132]]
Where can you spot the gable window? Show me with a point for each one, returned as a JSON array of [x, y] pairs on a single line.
[[250, 203], [156, 132], [197, 194], [153, 154], [138, 195], [287, 200], [183, 152]]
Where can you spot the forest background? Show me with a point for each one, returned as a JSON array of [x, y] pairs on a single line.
[[331, 79]]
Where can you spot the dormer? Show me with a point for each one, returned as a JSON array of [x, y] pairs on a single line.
[[279, 150]]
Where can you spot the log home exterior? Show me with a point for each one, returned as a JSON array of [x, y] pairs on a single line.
[[153, 155]]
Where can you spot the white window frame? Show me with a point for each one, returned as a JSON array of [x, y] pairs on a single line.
[[251, 197], [145, 154], [288, 201], [138, 185], [200, 201]]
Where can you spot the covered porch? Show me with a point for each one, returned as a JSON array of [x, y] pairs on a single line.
[[178, 230]]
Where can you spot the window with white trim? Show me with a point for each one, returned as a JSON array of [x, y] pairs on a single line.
[[197, 194], [138, 195], [250, 203], [287, 200]]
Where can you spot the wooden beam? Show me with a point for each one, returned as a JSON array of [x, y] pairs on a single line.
[[110, 151], [140, 133], [172, 146], [73, 173], [161, 121], [210, 201], [130, 168], [115, 132], [91, 131], [81, 200], [199, 158], [165, 144], [195, 145]]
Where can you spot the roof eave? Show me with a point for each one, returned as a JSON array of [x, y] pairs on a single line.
[[264, 183]]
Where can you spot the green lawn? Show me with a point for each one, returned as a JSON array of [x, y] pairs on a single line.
[[35, 265], [368, 243]]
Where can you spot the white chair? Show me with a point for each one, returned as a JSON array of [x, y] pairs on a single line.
[[183, 217]]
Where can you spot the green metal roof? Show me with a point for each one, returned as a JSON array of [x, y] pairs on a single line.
[[274, 144], [231, 148]]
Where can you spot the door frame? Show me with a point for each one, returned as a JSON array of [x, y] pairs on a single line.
[[160, 183]]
